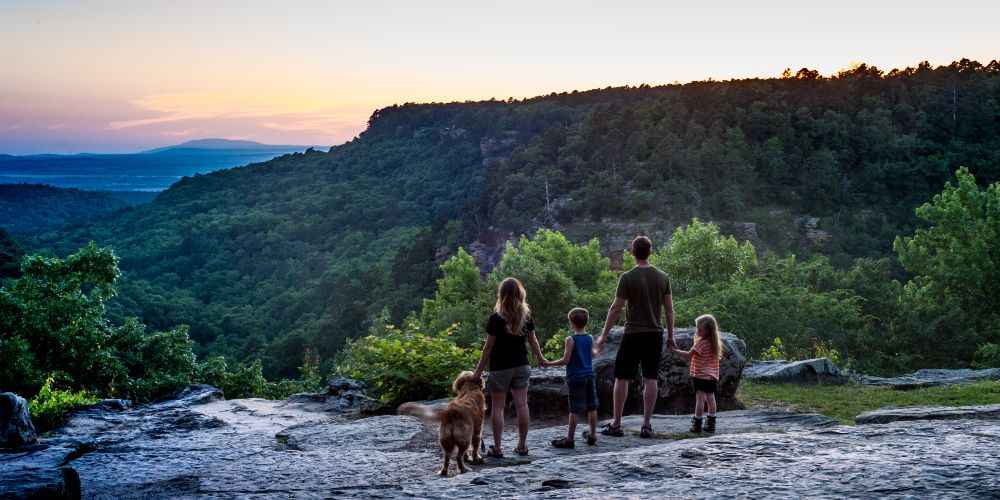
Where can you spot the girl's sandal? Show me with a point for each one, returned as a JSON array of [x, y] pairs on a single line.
[[494, 453]]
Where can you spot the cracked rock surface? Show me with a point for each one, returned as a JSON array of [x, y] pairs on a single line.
[[201, 446]]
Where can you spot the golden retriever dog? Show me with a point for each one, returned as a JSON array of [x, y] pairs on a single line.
[[461, 422]]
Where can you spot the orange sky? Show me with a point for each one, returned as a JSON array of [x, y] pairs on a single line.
[[123, 76]]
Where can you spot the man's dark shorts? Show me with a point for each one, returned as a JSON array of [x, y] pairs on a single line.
[[637, 349], [582, 395], [708, 386]]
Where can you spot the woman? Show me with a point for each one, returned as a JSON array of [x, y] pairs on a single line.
[[508, 330]]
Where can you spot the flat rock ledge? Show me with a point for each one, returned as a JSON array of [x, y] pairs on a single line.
[[886, 415], [931, 378], [202, 446]]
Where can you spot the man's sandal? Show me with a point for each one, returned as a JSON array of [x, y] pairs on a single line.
[[610, 430], [492, 452], [646, 432], [564, 443]]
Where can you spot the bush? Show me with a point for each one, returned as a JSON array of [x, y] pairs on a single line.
[[987, 356], [404, 363], [50, 406]]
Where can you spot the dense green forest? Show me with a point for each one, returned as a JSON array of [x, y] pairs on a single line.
[[308, 250], [36, 208]]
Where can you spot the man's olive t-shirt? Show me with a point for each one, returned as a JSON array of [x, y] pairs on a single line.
[[643, 288]]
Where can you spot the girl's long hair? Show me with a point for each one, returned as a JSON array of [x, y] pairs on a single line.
[[511, 305], [708, 331]]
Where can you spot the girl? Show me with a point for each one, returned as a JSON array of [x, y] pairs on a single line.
[[508, 330], [704, 355]]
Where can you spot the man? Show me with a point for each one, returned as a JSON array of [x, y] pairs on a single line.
[[646, 291]]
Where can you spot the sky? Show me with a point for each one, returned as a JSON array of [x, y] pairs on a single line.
[[122, 76]]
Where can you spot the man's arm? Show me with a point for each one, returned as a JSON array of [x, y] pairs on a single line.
[[566, 354], [668, 307], [613, 313]]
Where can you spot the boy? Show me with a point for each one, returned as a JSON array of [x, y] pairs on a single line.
[[578, 359]]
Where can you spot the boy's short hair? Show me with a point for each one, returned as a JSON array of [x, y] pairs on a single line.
[[642, 246], [578, 317]]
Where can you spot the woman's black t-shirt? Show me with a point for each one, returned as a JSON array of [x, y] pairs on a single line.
[[509, 351]]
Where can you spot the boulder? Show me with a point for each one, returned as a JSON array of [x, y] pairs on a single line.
[[547, 392], [932, 378], [886, 415], [343, 396], [809, 371], [16, 428]]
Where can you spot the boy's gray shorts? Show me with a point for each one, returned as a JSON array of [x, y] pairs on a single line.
[[510, 378]]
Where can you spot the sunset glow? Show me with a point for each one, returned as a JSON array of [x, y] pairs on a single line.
[[111, 76]]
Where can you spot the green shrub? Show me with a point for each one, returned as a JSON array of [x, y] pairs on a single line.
[[776, 352], [50, 406], [987, 356], [404, 363]]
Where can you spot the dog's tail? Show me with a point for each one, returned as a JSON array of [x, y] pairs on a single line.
[[421, 411]]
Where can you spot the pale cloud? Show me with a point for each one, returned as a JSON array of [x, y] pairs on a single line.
[[178, 133], [284, 113]]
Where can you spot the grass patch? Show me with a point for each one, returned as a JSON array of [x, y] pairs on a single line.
[[844, 402]]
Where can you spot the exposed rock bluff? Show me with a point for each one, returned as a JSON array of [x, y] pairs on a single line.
[[547, 396], [201, 446]]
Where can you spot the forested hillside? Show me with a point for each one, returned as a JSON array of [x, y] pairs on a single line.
[[36, 208], [305, 250]]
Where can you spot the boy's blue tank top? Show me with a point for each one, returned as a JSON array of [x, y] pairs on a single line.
[[580, 362]]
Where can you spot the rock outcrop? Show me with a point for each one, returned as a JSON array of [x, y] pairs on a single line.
[[886, 415], [16, 428], [809, 371], [931, 378], [201, 446], [547, 392], [343, 396]]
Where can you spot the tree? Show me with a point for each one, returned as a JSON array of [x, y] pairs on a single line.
[[956, 264], [698, 256]]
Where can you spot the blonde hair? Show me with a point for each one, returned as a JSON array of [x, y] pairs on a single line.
[[512, 306], [708, 330]]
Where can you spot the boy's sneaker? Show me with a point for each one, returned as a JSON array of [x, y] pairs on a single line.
[[564, 443], [710, 424], [591, 439], [610, 430]]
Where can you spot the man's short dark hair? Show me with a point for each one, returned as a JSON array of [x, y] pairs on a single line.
[[642, 246], [578, 317]]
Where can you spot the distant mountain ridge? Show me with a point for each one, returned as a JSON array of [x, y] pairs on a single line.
[[227, 144], [152, 170]]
